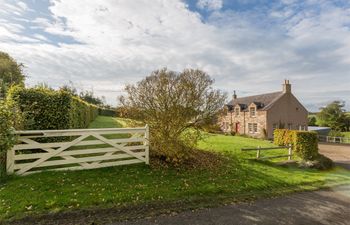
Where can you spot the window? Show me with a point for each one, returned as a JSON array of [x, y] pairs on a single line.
[[255, 127], [252, 111], [252, 127], [237, 111]]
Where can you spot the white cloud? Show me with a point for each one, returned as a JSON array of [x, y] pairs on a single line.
[[105, 44], [210, 4]]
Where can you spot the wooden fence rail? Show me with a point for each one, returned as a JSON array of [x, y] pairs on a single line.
[[259, 149], [77, 149]]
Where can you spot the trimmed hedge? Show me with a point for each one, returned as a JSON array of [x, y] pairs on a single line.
[[107, 112], [305, 144], [46, 109]]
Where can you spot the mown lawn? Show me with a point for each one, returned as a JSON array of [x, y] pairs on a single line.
[[346, 134], [237, 179]]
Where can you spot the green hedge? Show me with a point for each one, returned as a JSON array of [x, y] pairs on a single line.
[[7, 137], [305, 144], [107, 112], [46, 109]]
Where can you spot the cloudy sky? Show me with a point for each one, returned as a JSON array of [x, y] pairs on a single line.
[[246, 45]]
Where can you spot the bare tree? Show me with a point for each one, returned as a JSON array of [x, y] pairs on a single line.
[[175, 106]]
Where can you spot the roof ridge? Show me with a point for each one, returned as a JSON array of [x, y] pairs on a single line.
[[251, 96]]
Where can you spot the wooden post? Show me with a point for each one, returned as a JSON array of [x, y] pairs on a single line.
[[147, 144], [290, 152], [10, 161], [258, 152]]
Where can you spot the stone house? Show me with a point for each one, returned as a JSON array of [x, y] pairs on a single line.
[[259, 115]]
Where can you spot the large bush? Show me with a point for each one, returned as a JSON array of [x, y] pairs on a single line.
[[44, 109], [175, 106], [305, 144]]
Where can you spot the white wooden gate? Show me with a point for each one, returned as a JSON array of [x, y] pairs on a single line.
[[77, 149]]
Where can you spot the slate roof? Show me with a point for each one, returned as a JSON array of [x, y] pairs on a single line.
[[263, 101]]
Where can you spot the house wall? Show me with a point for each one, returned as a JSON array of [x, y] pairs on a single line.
[[286, 110], [229, 120]]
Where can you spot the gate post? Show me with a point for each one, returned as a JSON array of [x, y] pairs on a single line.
[[10, 157], [147, 144], [290, 152]]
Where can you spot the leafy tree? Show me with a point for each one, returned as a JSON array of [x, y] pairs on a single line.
[[312, 121], [89, 97], [175, 106], [70, 88], [10, 73], [333, 116]]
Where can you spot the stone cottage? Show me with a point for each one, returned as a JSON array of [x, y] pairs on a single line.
[[259, 115]]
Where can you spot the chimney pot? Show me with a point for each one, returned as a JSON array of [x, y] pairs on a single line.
[[287, 87], [234, 95]]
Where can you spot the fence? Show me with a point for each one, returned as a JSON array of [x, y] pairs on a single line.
[[330, 139], [77, 149], [259, 149]]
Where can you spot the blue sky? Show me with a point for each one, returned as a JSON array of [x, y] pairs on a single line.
[[246, 45]]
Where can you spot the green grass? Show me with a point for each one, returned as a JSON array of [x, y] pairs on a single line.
[[237, 179], [346, 134]]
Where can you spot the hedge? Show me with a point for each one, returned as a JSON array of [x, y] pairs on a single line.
[[305, 144], [7, 137], [107, 112], [46, 109]]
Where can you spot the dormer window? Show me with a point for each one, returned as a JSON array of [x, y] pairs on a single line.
[[237, 111], [252, 111]]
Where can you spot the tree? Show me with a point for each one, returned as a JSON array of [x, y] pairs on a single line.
[[175, 106], [333, 116], [312, 121], [70, 88], [89, 97], [11, 73]]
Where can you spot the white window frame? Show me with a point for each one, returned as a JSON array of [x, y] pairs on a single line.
[[237, 111], [252, 128], [252, 113]]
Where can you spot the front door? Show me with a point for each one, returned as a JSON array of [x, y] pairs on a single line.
[[237, 128]]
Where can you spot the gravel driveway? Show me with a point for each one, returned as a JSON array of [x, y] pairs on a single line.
[[340, 154], [318, 207]]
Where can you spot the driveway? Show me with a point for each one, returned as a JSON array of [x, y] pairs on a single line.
[[340, 154], [319, 207]]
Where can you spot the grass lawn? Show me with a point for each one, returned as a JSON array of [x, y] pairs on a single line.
[[236, 180], [346, 134]]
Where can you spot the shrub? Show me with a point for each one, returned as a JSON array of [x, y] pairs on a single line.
[[283, 137], [320, 162], [107, 112], [305, 144], [7, 137], [44, 109]]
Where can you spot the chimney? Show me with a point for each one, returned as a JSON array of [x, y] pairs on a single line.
[[287, 87], [234, 96]]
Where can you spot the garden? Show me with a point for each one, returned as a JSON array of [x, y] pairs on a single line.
[[191, 164], [237, 178]]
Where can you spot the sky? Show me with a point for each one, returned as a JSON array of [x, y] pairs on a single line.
[[249, 46]]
